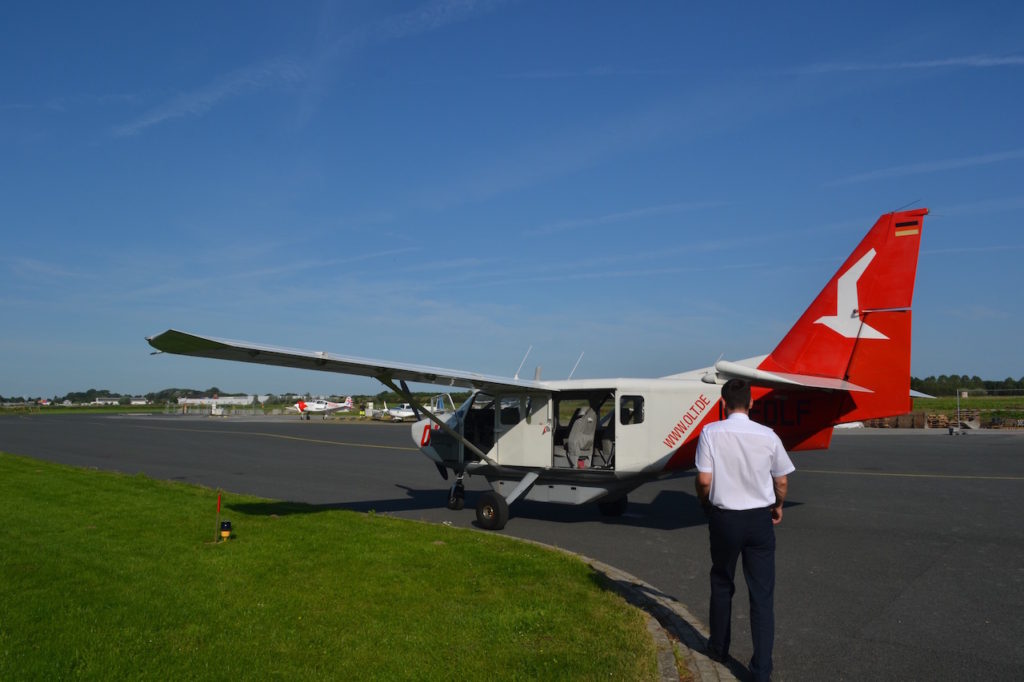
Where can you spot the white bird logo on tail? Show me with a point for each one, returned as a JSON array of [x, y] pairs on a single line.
[[850, 324]]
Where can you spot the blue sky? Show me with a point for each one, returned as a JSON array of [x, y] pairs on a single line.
[[653, 184]]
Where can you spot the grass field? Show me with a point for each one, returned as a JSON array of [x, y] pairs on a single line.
[[110, 576], [989, 407]]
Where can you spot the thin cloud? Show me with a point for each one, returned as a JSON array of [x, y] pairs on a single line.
[[271, 273], [983, 206], [976, 249], [623, 216], [198, 102], [31, 268], [424, 19], [595, 72], [929, 167], [979, 61]]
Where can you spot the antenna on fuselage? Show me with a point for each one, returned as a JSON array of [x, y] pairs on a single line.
[[516, 376], [576, 365]]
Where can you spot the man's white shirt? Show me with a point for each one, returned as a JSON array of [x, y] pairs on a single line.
[[742, 457]]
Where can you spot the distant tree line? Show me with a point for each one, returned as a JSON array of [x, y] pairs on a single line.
[[942, 385], [948, 385]]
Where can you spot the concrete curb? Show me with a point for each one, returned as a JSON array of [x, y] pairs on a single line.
[[675, 620], [673, 628]]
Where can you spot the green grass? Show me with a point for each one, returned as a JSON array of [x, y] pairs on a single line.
[[110, 576], [991, 407], [981, 402]]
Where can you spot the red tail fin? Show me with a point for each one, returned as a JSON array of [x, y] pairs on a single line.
[[858, 328]]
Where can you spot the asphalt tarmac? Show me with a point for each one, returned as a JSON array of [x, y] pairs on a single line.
[[900, 556]]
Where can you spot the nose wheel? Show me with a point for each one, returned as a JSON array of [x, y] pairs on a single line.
[[457, 494]]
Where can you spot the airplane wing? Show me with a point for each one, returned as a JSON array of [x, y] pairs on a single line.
[[182, 343]]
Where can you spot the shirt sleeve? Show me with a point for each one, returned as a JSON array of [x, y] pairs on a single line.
[[703, 460], [781, 463]]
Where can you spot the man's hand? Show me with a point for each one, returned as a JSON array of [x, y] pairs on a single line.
[[781, 486], [702, 483]]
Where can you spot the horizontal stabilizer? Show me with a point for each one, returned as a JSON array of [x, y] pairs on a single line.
[[731, 370]]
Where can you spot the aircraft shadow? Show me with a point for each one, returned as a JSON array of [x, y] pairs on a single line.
[[669, 510], [414, 500]]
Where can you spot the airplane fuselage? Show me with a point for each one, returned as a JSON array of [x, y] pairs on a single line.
[[642, 426]]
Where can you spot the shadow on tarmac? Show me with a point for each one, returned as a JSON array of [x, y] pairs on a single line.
[[669, 510]]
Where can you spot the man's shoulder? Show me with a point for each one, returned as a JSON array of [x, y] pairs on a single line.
[[760, 428], [746, 425], [714, 426]]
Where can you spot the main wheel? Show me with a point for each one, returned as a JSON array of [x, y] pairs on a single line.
[[616, 507], [492, 511]]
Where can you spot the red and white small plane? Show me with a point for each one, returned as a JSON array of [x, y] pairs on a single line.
[[320, 406], [846, 359]]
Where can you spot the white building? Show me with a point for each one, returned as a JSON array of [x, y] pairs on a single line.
[[225, 400]]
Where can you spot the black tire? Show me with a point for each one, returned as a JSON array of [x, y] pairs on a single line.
[[616, 507], [491, 511], [457, 501]]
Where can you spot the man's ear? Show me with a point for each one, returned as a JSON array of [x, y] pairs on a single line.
[[751, 405]]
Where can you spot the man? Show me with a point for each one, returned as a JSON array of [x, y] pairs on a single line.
[[742, 472]]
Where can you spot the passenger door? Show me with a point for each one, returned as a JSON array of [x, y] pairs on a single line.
[[522, 430]]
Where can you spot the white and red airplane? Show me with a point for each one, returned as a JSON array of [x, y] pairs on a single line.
[[594, 440], [320, 406]]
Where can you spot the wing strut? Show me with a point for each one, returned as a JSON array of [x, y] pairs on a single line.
[[417, 407], [528, 480]]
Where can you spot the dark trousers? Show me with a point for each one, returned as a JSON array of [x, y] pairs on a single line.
[[749, 533]]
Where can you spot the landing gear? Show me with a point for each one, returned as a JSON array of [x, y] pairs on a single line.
[[457, 494], [616, 507], [492, 511]]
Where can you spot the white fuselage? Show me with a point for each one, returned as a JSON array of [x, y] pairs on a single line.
[[321, 406], [645, 423]]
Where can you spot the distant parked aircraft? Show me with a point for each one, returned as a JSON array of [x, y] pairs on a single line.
[[324, 407]]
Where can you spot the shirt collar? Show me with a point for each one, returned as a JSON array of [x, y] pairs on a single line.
[[739, 415]]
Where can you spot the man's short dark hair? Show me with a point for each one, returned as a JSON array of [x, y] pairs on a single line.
[[736, 394]]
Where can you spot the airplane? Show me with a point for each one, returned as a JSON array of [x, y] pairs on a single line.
[[401, 412], [405, 410], [846, 359], [320, 406]]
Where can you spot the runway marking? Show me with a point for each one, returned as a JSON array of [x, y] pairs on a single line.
[[966, 477], [278, 435]]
